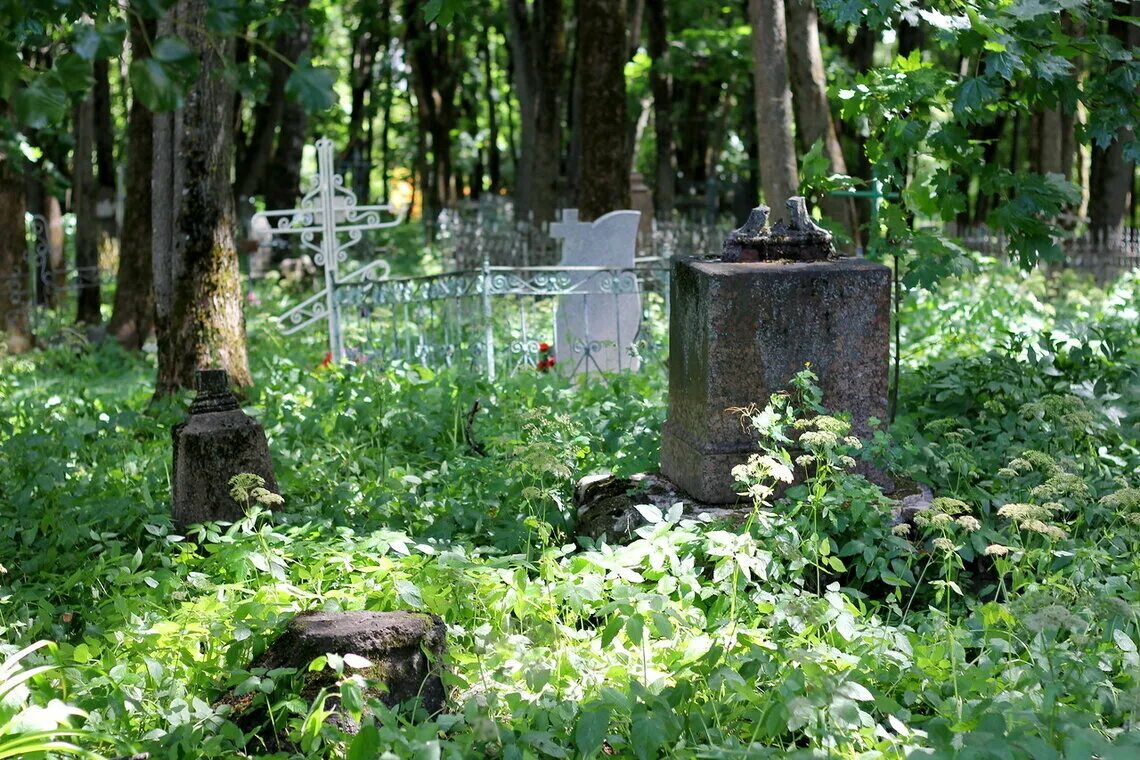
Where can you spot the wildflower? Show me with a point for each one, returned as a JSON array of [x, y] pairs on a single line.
[[819, 439], [1020, 512], [969, 522], [1133, 518], [1008, 472], [938, 519], [327, 361], [853, 442], [944, 545], [1045, 529], [847, 461], [805, 460], [1124, 500], [997, 550], [949, 506], [775, 469], [828, 424], [902, 530]]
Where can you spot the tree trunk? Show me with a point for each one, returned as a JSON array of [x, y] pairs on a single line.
[[14, 296], [1111, 174], [84, 202], [813, 112], [494, 156], [132, 320], [778, 175], [198, 292], [254, 160], [539, 48], [367, 43], [664, 185], [106, 196], [603, 181]]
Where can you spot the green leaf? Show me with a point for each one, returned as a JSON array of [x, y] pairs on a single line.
[[74, 73], [973, 93], [593, 724], [1124, 641], [366, 744], [409, 594], [634, 628], [647, 734], [311, 86], [172, 49], [40, 103]]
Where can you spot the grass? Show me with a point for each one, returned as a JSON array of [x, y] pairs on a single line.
[[815, 629]]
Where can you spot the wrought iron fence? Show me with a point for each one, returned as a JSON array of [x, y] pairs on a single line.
[[1104, 257], [50, 280], [501, 320]]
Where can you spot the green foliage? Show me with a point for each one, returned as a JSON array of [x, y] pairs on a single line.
[[814, 626]]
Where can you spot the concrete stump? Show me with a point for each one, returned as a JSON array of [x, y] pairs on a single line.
[[744, 324], [217, 442], [405, 648]]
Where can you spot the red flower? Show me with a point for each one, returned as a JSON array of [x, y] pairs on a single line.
[[544, 347], [327, 360]]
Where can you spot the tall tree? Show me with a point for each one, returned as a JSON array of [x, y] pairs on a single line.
[[14, 294], [254, 157], [603, 182], [665, 172], [368, 40], [105, 179], [1112, 173], [494, 155], [538, 49], [813, 113], [778, 174], [198, 291], [84, 195], [133, 317]]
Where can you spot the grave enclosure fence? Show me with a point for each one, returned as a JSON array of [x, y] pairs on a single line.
[[51, 280], [497, 321]]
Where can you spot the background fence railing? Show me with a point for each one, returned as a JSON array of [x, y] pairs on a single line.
[[495, 320]]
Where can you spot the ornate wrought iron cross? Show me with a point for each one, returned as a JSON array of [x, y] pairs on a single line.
[[329, 211]]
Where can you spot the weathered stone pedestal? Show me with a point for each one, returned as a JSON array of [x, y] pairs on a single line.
[[404, 650], [217, 442], [744, 324]]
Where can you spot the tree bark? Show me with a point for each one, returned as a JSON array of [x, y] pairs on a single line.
[[106, 194], [1111, 174], [14, 296], [813, 112], [538, 44], [132, 320], [778, 175], [84, 202], [665, 174], [603, 181], [367, 44], [494, 155], [198, 292], [269, 114]]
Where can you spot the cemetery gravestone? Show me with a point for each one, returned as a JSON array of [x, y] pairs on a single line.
[[596, 330], [217, 442], [744, 323]]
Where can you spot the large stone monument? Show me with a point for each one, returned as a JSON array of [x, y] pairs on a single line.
[[595, 330], [217, 442], [744, 323]]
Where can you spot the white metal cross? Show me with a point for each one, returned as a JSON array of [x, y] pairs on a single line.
[[329, 211]]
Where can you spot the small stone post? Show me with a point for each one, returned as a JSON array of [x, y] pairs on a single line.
[[744, 323], [217, 442]]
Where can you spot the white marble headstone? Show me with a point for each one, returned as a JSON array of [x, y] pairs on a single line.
[[594, 332]]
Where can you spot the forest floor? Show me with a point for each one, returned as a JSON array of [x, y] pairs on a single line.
[[1004, 624]]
